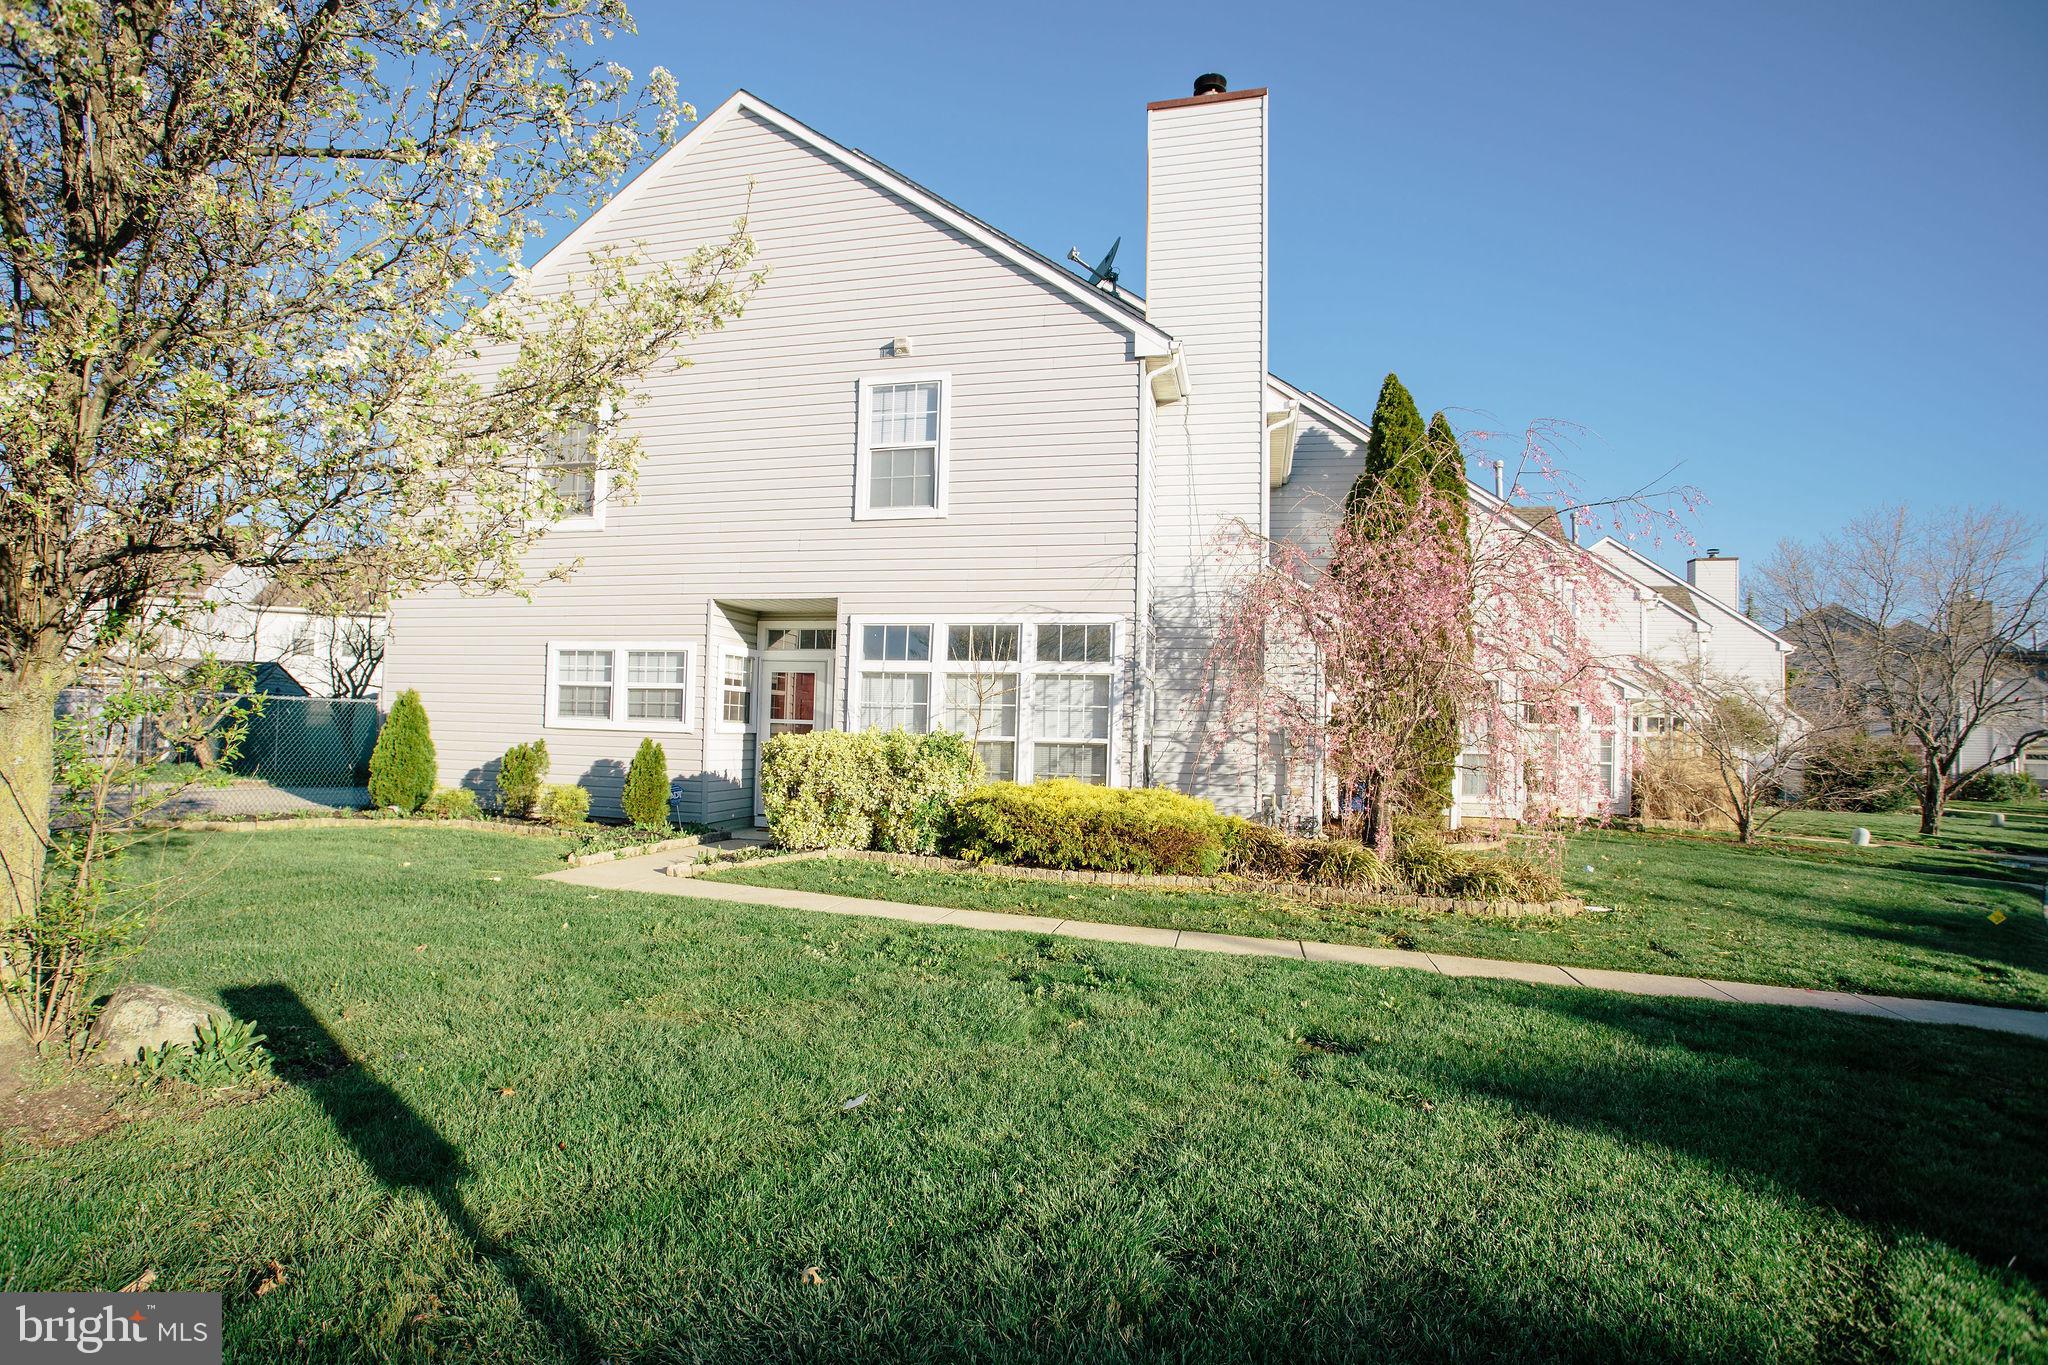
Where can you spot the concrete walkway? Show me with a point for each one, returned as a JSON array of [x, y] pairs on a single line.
[[645, 874]]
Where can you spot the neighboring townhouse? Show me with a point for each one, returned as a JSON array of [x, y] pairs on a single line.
[[931, 479], [298, 643]]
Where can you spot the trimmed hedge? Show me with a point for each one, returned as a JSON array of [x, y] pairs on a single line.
[[887, 790], [1072, 825]]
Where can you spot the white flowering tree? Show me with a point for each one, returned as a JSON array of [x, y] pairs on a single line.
[[253, 250]]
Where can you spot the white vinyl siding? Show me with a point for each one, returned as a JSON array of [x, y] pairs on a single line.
[[642, 687], [744, 502]]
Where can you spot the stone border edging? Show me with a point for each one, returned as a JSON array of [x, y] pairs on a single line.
[[1293, 890], [607, 855]]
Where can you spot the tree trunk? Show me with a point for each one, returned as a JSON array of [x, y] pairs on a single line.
[[1930, 798], [27, 723]]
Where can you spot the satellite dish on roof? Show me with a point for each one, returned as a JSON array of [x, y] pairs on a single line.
[[1103, 273]]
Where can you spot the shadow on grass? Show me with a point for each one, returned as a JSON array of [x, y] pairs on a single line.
[[404, 1150], [1931, 1138]]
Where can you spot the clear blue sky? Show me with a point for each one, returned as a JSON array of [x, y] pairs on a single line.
[[1800, 247]]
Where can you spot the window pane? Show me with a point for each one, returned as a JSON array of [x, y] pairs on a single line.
[[655, 703], [1000, 758], [735, 688], [895, 701], [1070, 706], [657, 668], [979, 705], [899, 644], [584, 703], [1074, 644], [584, 666], [1472, 775], [1083, 762], [982, 644], [570, 470], [903, 414]]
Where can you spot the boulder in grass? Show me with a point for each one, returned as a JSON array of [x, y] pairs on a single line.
[[138, 1016]]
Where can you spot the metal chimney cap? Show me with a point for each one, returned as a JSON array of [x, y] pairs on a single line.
[[1211, 83]]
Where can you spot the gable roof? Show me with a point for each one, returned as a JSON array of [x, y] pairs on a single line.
[[1659, 578], [1147, 339]]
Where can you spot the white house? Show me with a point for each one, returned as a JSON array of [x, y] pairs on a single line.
[[931, 479], [299, 644]]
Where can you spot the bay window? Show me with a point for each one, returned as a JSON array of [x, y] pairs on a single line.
[[1036, 699]]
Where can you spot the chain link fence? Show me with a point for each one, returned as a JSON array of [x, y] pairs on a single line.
[[298, 754]]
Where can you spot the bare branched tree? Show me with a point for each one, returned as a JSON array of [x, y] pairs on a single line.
[[1924, 626]]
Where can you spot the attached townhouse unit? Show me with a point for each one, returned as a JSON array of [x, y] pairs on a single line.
[[931, 479]]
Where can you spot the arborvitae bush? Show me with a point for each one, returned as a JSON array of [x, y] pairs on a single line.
[[520, 774], [645, 798], [402, 766]]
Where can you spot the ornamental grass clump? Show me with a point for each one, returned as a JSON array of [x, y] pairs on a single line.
[[1431, 867]]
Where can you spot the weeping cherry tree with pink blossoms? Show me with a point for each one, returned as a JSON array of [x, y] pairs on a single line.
[[1347, 647]]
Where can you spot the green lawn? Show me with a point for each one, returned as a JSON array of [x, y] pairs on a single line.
[[523, 1120], [1965, 826], [1889, 920]]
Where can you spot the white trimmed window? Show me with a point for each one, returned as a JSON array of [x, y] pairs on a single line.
[[895, 701], [569, 464], [1070, 714], [735, 690], [900, 470], [1037, 699], [896, 698], [802, 637], [1608, 746], [619, 686], [1475, 780], [1069, 643], [982, 689]]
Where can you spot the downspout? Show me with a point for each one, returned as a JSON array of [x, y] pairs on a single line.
[[1141, 608]]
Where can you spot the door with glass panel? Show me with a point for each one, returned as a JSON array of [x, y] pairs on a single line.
[[795, 695]]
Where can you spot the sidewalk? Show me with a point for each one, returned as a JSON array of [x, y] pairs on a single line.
[[645, 874]]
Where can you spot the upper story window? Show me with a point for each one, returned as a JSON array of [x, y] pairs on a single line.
[[569, 464], [901, 469]]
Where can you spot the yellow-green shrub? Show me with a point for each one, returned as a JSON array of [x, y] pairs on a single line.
[[889, 790], [563, 806], [1067, 824], [451, 803]]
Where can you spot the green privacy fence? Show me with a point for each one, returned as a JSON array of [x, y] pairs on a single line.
[[309, 741]]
